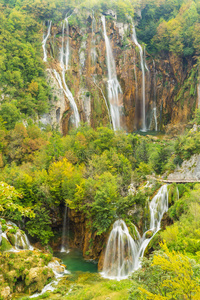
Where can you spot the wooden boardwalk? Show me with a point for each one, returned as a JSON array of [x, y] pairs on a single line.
[[174, 180]]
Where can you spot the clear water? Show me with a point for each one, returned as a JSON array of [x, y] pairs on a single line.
[[75, 262]]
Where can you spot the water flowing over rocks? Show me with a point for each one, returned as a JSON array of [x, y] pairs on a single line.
[[142, 92], [27, 268], [123, 252]]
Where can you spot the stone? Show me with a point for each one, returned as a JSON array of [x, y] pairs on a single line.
[[57, 267], [189, 170], [6, 293]]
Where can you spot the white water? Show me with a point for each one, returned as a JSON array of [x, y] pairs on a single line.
[[154, 111], [153, 118], [145, 62], [136, 82], [52, 285], [114, 88], [93, 49], [134, 38], [22, 242], [123, 253], [64, 63], [64, 243], [120, 252], [21, 239], [45, 38]]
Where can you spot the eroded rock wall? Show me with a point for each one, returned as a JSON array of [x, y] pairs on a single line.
[[170, 83]]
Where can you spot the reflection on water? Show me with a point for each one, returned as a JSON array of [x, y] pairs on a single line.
[[75, 262]]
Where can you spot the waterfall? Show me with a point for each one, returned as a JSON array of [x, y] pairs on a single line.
[[50, 287], [145, 62], [45, 38], [154, 111], [134, 38], [153, 117], [93, 49], [22, 242], [64, 242], [114, 88], [64, 63], [120, 252], [123, 253]]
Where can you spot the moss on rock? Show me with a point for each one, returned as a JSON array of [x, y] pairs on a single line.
[[5, 245]]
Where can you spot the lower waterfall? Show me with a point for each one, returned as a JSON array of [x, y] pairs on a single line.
[[123, 252], [65, 234]]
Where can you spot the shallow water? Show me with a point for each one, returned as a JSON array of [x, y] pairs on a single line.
[[75, 262]]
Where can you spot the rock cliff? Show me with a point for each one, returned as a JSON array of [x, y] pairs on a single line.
[[170, 82]]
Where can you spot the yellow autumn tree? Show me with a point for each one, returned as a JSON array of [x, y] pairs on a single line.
[[63, 179], [181, 284]]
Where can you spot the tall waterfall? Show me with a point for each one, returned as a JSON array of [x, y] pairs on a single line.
[[45, 38], [64, 63], [154, 110], [123, 253], [114, 88], [64, 232], [93, 49], [134, 38]]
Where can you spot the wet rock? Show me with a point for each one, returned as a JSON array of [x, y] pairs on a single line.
[[57, 267], [149, 234]]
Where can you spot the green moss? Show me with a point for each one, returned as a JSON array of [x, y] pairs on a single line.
[[11, 237], [5, 245]]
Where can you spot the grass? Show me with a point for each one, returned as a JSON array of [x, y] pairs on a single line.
[[87, 286]]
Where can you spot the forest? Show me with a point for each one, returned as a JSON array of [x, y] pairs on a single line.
[[100, 149]]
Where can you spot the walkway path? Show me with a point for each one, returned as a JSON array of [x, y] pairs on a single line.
[[174, 180]]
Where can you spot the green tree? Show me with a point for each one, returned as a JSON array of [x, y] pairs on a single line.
[[10, 115]]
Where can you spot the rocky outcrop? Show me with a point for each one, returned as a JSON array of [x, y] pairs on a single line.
[[83, 238], [189, 170], [25, 272]]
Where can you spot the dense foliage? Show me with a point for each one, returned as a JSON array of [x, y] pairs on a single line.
[[100, 174]]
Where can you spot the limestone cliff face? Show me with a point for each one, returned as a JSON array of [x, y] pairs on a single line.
[[170, 82], [83, 238]]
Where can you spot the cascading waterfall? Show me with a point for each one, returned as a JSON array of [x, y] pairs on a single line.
[[20, 239], [22, 242], [64, 63], [45, 38], [123, 253], [120, 252], [114, 88], [65, 234], [134, 38]]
